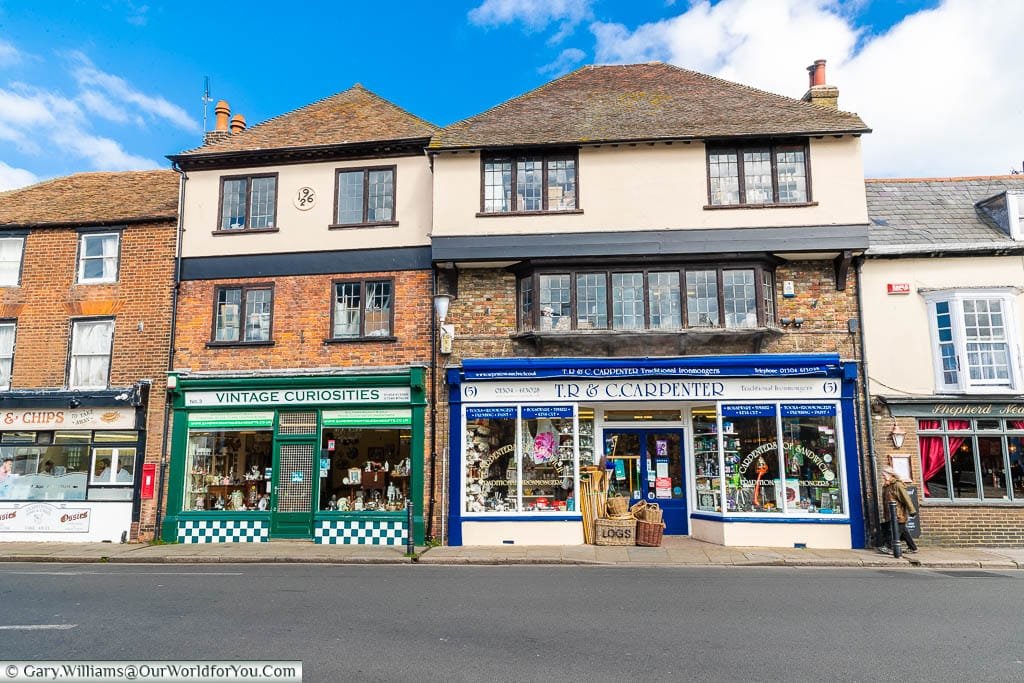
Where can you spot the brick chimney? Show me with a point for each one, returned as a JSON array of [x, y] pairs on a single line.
[[237, 123], [818, 92], [220, 132]]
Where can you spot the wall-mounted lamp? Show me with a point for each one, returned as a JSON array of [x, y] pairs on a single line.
[[74, 402], [446, 333], [441, 304], [897, 435]]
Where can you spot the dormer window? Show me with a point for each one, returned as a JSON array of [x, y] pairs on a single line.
[[758, 174], [529, 183]]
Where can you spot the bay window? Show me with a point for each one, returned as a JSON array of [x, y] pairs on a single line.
[[527, 183], [973, 341], [664, 299], [760, 174]]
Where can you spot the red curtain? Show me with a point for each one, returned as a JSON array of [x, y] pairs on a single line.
[[933, 458], [1016, 424]]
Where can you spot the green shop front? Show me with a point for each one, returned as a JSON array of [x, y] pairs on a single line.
[[332, 458]]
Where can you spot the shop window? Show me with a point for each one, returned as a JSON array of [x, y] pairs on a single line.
[[492, 462], [113, 466], [622, 462], [752, 476], [761, 174], [248, 203], [11, 251], [228, 469], [362, 309], [972, 460], [7, 335], [548, 458], [98, 255], [730, 297], [365, 196], [707, 467], [91, 344], [973, 343], [529, 183], [243, 315], [811, 458], [365, 469]]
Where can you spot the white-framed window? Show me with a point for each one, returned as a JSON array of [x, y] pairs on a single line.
[[11, 251], [7, 335], [97, 257], [113, 466], [974, 345], [91, 344]]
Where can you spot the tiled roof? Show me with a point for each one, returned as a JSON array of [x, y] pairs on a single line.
[[101, 197], [641, 102], [917, 214], [353, 116]]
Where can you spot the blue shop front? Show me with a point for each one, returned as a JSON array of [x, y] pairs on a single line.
[[699, 436]]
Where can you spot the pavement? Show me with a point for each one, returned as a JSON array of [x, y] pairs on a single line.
[[675, 551]]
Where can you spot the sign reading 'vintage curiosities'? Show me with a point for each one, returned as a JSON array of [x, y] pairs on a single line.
[[268, 397]]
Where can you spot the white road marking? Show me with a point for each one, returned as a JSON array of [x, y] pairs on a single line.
[[108, 573], [38, 627]]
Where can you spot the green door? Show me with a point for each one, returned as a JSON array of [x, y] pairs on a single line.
[[291, 502]]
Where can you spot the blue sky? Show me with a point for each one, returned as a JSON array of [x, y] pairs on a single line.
[[115, 84]]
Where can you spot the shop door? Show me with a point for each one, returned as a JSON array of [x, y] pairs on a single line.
[[292, 498], [648, 465]]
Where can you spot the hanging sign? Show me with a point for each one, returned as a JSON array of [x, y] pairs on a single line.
[[369, 417]]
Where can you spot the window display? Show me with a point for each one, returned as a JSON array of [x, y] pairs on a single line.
[[364, 469], [708, 470], [228, 470], [752, 472], [548, 458], [811, 459], [492, 464], [972, 459]]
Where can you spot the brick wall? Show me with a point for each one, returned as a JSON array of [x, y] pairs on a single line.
[[140, 303]]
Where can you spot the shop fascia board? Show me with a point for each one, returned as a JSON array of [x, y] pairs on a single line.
[[61, 398]]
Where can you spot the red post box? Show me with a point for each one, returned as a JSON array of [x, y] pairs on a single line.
[[148, 480]]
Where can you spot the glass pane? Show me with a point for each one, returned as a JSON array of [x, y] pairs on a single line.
[[347, 309], [740, 300], [229, 302], [497, 185], [1015, 446], [666, 309], [723, 168], [622, 462], [529, 186], [378, 309], [264, 194], [962, 467], [768, 292], [549, 457], [114, 437], [90, 354], [10, 260], [994, 483], [752, 459], [646, 415], [792, 176], [492, 466], [555, 309], [707, 463], [44, 472], [113, 465], [702, 298], [628, 301], [257, 315], [811, 460], [592, 301], [988, 358], [367, 469], [561, 184], [232, 215], [228, 470], [664, 467], [526, 303], [350, 197], [757, 177], [381, 196]]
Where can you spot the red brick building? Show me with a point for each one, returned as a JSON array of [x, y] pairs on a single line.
[[86, 284]]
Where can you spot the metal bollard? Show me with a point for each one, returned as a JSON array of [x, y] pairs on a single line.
[[894, 527], [410, 545]]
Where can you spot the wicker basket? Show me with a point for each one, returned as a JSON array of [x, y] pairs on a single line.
[[637, 510], [653, 513], [618, 507], [649, 534], [615, 532]]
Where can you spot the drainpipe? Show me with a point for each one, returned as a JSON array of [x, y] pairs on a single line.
[[158, 531], [869, 429], [433, 405]]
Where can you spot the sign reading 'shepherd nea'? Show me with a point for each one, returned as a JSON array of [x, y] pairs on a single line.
[[296, 397]]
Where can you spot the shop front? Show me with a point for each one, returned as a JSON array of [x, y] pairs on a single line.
[[699, 436], [332, 458], [70, 464]]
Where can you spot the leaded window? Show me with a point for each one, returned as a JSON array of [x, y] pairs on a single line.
[[243, 315], [248, 202], [365, 196], [362, 308], [529, 183], [758, 174]]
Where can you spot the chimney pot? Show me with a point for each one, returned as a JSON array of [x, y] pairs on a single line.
[[237, 123], [818, 92], [223, 111], [818, 71]]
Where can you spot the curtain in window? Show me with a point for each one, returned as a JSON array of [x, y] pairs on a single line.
[[110, 257], [90, 354], [1016, 424], [6, 354], [10, 260], [933, 456]]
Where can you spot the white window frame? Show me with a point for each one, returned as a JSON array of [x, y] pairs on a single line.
[[72, 355], [115, 457], [21, 257], [4, 386], [956, 299], [82, 279]]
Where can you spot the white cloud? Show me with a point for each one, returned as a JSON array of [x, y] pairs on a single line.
[[11, 177], [940, 88], [104, 153], [100, 105], [9, 54], [535, 15], [88, 77], [564, 63]]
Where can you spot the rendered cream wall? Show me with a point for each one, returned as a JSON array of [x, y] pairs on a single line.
[[651, 188], [522, 533], [896, 327], [307, 230]]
